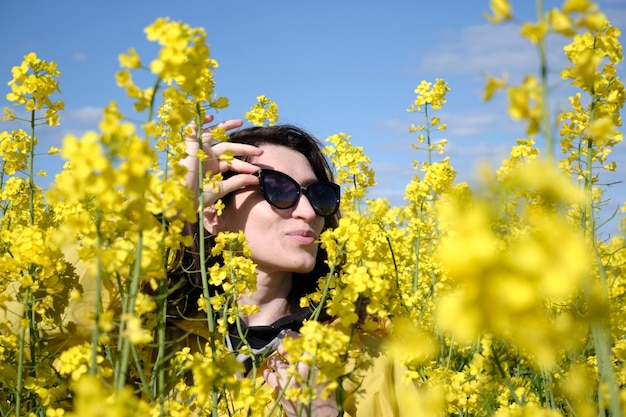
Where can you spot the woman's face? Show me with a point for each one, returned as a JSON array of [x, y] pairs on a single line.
[[281, 240]]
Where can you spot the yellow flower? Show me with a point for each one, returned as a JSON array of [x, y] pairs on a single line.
[[320, 346], [352, 168], [219, 207], [93, 397], [227, 156], [600, 129], [411, 346], [33, 85], [264, 111], [525, 103], [430, 94], [507, 284], [501, 10], [14, 149], [561, 22], [594, 21], [580, 6], [219, 134], [74, 362], [535, 33], [8, 114], [134, 331], [131, 60]]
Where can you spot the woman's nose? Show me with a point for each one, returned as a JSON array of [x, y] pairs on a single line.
[[304, 209]]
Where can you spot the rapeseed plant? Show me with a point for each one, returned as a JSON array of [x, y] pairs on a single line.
[[493, 299]]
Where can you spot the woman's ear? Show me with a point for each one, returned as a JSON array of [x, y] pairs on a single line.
[[211, 220]]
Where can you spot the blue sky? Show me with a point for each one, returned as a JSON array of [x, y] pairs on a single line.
[[331, 66]]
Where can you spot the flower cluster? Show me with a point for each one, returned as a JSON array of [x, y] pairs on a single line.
[[589, 132], [322, 348], [236, 274], [264, 111], [431, 94], [33, 85], [353, 170]]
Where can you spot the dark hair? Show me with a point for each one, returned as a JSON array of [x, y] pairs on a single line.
[[186, 277]]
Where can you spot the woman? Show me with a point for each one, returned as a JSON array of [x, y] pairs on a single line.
[[279, 192]]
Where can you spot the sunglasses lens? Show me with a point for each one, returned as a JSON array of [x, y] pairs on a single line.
[[280, 190], [323, 198], [283, 192]]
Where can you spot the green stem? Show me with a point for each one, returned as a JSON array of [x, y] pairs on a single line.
[[357, 200], [395, 263], [548, 389], [543, 88], [600, 327], [143, 382], [157, 384], [159, 360], [30, 330], [32, 320], [129, 308], [95, 333], [427, 124], [157, 83], [505, 377], [20, 356], [331, 274], [417, 242], [203, 272], [31, 170]]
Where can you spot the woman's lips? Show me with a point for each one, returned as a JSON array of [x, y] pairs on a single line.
[[303, 237]]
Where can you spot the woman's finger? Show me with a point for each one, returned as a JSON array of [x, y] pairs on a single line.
[[228, 186], [206, 132], [271, 378], [237, 149], [276, 374], [277, 363], [238, 166], [226, 125], [210, 196]]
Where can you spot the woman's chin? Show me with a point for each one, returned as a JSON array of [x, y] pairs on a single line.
[[304, 267]]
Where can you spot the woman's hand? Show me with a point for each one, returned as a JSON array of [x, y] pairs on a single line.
[[277, 376], [213, 163]]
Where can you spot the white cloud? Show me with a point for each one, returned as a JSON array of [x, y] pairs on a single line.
[[477, 50], [392, 168], [395, 126], [464, 127], [474, 124], [87, 115], [79, 56], [464, 54]]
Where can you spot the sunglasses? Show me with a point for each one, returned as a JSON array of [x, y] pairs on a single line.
[[283, 192]]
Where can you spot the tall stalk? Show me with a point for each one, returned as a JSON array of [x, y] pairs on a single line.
[[203, 272], [28, 332], [95, 332], [545, 127], [600, 327], [128, 308]]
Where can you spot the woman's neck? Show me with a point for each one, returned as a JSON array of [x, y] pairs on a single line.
[[271, 296]]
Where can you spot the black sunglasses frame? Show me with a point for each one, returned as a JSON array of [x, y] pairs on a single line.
[[299, 190]]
